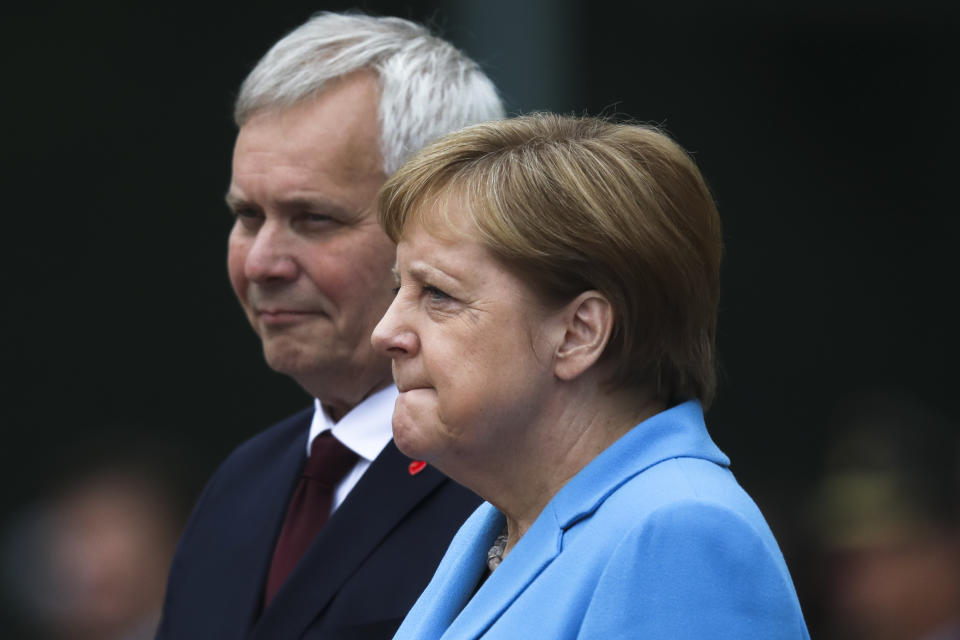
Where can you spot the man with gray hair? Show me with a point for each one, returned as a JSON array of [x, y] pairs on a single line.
[[319, 527]]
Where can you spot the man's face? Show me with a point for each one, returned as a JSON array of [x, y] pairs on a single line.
[[307, 259]]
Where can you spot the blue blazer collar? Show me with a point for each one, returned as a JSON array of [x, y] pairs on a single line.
[[678, 432]]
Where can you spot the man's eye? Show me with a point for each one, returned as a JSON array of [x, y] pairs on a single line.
[[317, 218], [249, 218]]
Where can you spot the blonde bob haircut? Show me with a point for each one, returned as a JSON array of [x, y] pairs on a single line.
[[572, 204]]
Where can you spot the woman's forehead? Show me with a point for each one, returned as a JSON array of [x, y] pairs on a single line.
[[445, 213]]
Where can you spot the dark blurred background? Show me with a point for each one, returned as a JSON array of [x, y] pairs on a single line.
[[828, 132]]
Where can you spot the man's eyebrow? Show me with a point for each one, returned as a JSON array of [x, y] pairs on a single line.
[[316, 204], [293, 203], [234, 201]]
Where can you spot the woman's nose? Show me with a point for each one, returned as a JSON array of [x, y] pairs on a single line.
[[393, 336]]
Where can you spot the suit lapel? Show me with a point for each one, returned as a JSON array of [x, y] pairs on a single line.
[[262, 510], [536, 549], [456, 578], [386, 493]]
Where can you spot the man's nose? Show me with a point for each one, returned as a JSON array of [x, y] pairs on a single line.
[[271, 256]]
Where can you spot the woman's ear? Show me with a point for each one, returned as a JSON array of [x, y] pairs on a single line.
[[588, 324]]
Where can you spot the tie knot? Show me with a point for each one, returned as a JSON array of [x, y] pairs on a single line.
[[330, 460]]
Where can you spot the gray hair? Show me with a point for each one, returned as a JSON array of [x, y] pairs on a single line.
[[427, 87]]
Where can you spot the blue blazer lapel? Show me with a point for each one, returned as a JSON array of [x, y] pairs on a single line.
[[456, 578], [386, 493], [538, 547]]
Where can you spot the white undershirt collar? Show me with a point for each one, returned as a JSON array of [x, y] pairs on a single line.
[[366, 430]]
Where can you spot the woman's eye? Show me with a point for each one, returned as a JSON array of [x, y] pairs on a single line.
[[435, 294]]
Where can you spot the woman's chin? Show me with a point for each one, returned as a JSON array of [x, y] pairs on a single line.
[[408, 443], [411, 428]]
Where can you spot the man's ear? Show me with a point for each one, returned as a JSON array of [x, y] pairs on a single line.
[[588, 324]]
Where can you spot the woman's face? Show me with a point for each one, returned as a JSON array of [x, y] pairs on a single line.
[[472, 352]]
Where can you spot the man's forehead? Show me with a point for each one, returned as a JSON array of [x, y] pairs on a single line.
[[308, 147]]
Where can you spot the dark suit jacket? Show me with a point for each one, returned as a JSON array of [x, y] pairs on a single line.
[[357, 580]]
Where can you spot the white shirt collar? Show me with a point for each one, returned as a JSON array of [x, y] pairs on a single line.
[[366, 429]]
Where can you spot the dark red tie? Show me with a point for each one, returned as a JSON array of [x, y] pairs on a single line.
[[309, 509]]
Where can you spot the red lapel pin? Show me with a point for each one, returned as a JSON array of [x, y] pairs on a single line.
[[416, 467]]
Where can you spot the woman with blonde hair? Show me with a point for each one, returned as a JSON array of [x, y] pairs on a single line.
[[552, 339]]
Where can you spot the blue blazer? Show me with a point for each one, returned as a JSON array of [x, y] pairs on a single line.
[[361, 575], [653, 539]]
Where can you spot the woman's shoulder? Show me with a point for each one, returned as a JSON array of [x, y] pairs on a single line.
[[685, 499], [620, 492], [677, 483], [687, 539]]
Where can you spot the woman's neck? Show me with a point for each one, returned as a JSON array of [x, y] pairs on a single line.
[[569, 437]]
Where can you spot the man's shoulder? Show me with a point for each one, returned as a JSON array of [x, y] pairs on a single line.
[[268, 459], [280, 435], [229, 537], [268, 445]]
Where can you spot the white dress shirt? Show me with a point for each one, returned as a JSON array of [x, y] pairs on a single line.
[[366, 429]]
